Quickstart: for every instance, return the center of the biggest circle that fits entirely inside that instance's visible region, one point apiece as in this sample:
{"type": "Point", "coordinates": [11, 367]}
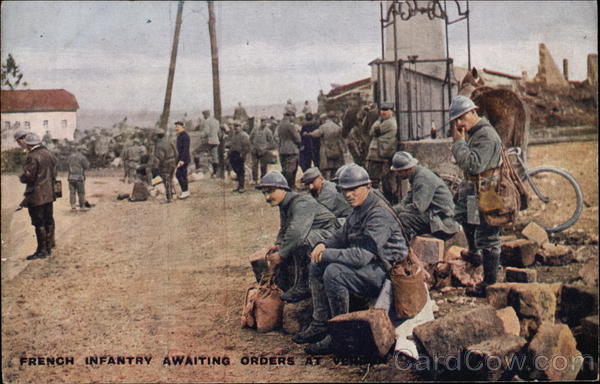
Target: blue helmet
{"type": "Point", "coordinates": [340, 170]}
{"type": "Point", "coordinates": [353, 177]}
{"type": "Point", "coordinates": [273, 179]}
{"type": "Point", "coordinates": [32, 139]}
{"type": "Point", "coordinates": [20, 134]}
{"type": "Point", "coordinates": [459, 106]}
{"type": "Point", "coordinates": [403, 160]}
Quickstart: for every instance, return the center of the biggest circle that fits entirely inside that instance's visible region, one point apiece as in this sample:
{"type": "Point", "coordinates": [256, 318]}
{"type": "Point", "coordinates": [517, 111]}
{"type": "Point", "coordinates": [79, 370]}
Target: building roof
{"type": "Point", "coordinates": [347, 87]}
{"type": "Point", "coordinates": [38, 100]}
{"type": "Point", "coordinates": [496, 73]}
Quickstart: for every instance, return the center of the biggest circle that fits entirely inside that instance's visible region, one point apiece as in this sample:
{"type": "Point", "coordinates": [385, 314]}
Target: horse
{"type": "Point", "coordinates": [502, 107]}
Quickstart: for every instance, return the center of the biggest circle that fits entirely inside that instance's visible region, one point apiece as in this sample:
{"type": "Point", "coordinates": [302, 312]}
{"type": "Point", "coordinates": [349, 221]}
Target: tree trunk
{"type": "Point", "coordinates": [216, 86]}
{"type": "Point", "coordinates": [164, 118]}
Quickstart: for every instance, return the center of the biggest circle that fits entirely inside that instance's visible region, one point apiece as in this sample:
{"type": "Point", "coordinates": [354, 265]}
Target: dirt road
{"type": "Point", "coordinates": [153, 280]}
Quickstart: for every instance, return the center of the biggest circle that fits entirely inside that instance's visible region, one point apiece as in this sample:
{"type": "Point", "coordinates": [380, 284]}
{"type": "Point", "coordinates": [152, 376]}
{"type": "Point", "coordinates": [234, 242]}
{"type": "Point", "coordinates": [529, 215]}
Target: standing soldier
{"type": "Point", "coordinates": [289, 109]}
{"type": "Point", "coordinates": [77, 163]}
{"type": "Point", "coordinates": [183, 159]}
{"type": "Point", "coordinates": [332, 146]}
{"type": "Point", "coordinates": [381, 149]}
{"type": "Point", "coordinates": [289, 140]}
{"type": "Point", "coordinates": [477, 149]}
{"type": "Point", "coordinates": [133, 156]}
{"type": "Point", "coordinates": [261, 142]}
{"type": "Point", "coordinates": [239, 148]}
{"type": "Point", "coordinates": [306, 109]}
{"type": "Point", "coordinates": [212, 133]}
{"type": "Point", "coordinates": [240, 113]}
{"type": "Point", "coordinates": [164, 159]}
{"type": "Point", "coordinates": [309, 150]}
{"type": "Point", "coordinates": [39, 174]}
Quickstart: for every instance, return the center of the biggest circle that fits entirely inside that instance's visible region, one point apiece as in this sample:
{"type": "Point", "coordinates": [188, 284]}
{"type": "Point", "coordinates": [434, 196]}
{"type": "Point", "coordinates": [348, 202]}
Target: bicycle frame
{"type": "Point", "coordinates": [517, 152]}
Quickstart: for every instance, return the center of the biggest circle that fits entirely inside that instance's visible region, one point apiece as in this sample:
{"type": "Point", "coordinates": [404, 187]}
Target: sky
{"type": "Point", "coordinates": [115, 55]}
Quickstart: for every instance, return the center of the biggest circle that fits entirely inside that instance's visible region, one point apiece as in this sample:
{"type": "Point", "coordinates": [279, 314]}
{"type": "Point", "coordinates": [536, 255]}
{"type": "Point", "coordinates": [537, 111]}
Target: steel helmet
{"type": "Point", "coordinates": [32, 139]}
{"type": "Point", "coordinates": [20, 134]}
{"type": "Point", "coordinates": [340, 170]}
{"type": "Point", "coordinates": [310, 175]}
{"type": "Point", "coordinates": [273, 179]}
{"type": "Point", "coordinates": [403, 160]}
{"type": "Point", "coordinates": [459, 106]}
{"type": "Point", "coordinates": [353, 177]}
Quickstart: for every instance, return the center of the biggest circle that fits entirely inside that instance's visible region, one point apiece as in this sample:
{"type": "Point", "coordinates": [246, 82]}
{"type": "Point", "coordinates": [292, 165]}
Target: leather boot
{"type": "Point", "coordinates": [300, 289]}
{"type": "Point", "coordinates": [40, 252]}
{"type": "Point", "coordinates": [339, 303]}
{"type": "Point", "coordinates": [49, 240]}
{"type": "Point", "coordinates": [491, 262]}
{"type": "Point", "coordinates": [52, 242]}
{"type": "Point", "coordinates": [317, 329]}
{"type": "Point", "coordinates": [474, 258]}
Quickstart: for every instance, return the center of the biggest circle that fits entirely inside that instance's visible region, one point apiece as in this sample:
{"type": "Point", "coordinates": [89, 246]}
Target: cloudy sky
{"type": "Point", "coordinates": [115, 55]}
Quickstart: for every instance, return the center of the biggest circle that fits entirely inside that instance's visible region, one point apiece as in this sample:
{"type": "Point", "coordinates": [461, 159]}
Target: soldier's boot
{"type": "Point", "coordinates": [475, 258]}
{"type": "Point", "coordinates": [40, 252]}
{"type": "Point", "coordinates": [215, 167]}
{"type": "Point", "coordinates": [241, 183]}
{"type": "Point", "coordinates": [317, 329]}
{"type": "Point", "coordinates": [491, 262]}
{"type": "Point", "coordinates": [52, 242]}
{"type": "Point", "coordinates": [339, 303]}
{"type": "Point", "coordinates": [300, 290]}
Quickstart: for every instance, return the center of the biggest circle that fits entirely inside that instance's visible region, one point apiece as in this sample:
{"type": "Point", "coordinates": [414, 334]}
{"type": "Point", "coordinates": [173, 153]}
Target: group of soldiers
{"type": "Point", "coordinates": [341, 238]}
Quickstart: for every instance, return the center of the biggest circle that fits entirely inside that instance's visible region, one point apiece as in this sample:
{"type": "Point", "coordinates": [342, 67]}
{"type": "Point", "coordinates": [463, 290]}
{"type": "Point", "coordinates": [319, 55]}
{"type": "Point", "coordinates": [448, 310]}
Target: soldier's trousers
{"type": "Point", "coordinates": [256, 161]}
{"type": "Point", "coordinates": [166, 174]}
{"type": "Point", "coordinates": [238, 166]}
{"type": "Point", "coordinates": [182, 177]}
{"type": "Point", "coordinates": [42, 215]}
{"type": "Point", "coordinates": [289, 167]}
{"type": "Point", "coordinates": [479, 236]}
{"type": "Point", "coordinates": [379, 172]}
{"type": "Point", "coordinates": [77, 188]}
{"type": "Point", "coordinates": [331, 281]}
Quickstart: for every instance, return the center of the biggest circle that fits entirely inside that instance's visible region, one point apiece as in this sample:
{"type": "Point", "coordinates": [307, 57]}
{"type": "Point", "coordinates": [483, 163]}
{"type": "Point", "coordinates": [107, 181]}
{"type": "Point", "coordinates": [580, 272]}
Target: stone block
{"type": "Point", "coordinates": [497, 294]}
{"type": "Point", "coordinates": [510, 320]}
{"type": "Point", "coordinates": [586, 335]}
{"type": "Point", "coordinates": [429, 249]}
{"type": "Point", "coordinates": [589, 272]}
{"type": "Point", "coordinates": [551, 254]}
{"type": "Point", "coordinates": [534, 300]}
{"type": "Point", "coordinates": [519, 253]}
{"type": "Point", "coordinates": [535, 233]}
{"type": "Point", "coordinates": [296, 316]}
{"type": "Point", "coordinates": [453, 253]}
{"type": "Point", "coordinates": [553, 354]}
{"type": "Point", "coordinates": [458, 240]}
{"type": "Point", "coordinates": [448, 336]}
{"type": "Point", "coordinates": [492, 359]}
{"type": "Point", "coordinates": [520, 275]}
{"type": "Point", "coordinates": [465, 274]}
{"type": "Point", "coordinates": [576, 303]}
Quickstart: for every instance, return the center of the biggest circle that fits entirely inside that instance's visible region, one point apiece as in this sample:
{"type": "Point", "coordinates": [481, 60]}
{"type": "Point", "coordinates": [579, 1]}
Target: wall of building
{"type": "Point", "coordinates": [35, 121]}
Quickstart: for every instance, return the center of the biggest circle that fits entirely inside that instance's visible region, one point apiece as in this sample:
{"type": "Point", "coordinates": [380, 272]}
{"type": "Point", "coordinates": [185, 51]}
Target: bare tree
{"type": "Point", "coordinates": [11, 75]}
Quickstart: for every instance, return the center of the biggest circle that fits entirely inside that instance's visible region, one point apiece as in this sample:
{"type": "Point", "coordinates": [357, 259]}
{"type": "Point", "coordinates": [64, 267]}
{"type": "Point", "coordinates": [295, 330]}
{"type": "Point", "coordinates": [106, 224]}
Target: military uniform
{"type": "Point", "coordinates": [183, 155]}
{"type": "Point", "coordinates": [310, 146]}
{"type": "Point", "coordinates": [261, 141]}
{"type": "Point", "coordinates": [331, 199]}
{"type": "Point", "coordinates": [77, 163]}
{"type": "Point", "coordinates": [428, 206]}
{"type": "Point", "coordinates": [212, 132]}
{"type": "Point", "coordinates": [132, 157]}
{"type": "Point", "coordinates": [381, 149]}
{"type": "Point", "coordinates": [332, 147]}
{"type": "Point", "coordinates": [289, 140]}
{"type": "Point", "coordinates": [165, 160]}
{"type": "Point", "coordinates": [239, 148]}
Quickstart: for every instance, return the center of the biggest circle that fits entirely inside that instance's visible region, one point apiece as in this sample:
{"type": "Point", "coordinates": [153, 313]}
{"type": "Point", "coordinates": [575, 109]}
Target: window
{"type": "Point", "coordinates": [63, 124]}
{"type": "Point", "coordinates": [45, 125]}
{"type": "Point", "coordinates": [7, 124]}
{"type": "Point", "coordinates": [27, 126]}
{"type": "Point", "coordinates": [17, 125]}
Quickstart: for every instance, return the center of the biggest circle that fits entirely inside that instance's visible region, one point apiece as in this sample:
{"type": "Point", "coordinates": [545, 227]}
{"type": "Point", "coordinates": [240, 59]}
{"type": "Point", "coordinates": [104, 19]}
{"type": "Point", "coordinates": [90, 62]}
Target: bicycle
{"type": "Point", "coordinates": [555, 197]}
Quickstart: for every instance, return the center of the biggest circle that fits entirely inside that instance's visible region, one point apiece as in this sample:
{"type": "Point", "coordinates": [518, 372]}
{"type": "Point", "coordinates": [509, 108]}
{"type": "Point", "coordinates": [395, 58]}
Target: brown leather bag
{"type": "Point", "coordinates": [263, 307]}
{"type": "Point", "coordinates": [408, 284]}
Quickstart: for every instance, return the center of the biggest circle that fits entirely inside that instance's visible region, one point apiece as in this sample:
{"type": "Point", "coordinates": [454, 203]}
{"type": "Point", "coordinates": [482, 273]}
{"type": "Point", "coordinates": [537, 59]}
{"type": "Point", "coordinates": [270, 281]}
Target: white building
{"type": "Point", "coordinates": [38, 111]}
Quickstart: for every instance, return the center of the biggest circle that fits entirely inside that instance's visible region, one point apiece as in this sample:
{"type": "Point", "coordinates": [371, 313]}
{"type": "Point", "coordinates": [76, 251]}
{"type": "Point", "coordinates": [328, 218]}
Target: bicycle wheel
{"type": "Point", "coordinates": [555, 198]}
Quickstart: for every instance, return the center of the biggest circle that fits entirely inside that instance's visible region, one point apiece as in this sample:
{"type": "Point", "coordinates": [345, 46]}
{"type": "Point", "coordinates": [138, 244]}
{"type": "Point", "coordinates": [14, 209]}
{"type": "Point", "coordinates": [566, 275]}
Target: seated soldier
{"type": "Point", "coordinates": [354, 260]}
{"type": "Point", "coordinates": [428, 207]}
{"type": "Point", "coordinates": [325, 192]}
{"type": "Point", "coordinates": [303, 224]}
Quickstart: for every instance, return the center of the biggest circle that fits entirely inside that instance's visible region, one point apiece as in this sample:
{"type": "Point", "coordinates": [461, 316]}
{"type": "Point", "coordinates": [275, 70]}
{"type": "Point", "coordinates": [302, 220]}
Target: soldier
{"type": "Point", "coordinates": [77, 163]}
{"type": "Point", "coordinates": [325, 192]}
{"type": "Point", "coordinates": [183, 159]}
{"type": "Point", "coordinates": [332, 146]}
{"type": "Point", "coordinates": [47, 139]}
{"type": "Point", "coordinates": [309, 149]}
{"type": "Point", "coordinates": [303, 224]}
{"type": "Point", "coordinates": [212, 134]}
{"type": "Point", "coordinates": [478, 155]}
{"type": "Point", "coordinates": [261, 142]}
{"type": "Point", "coordinates": [428, 207]}
{"type": "Point", "coordinates": [306, 109]}
{"type": "Point", "coordinates": [134, 158]}
{"type": "Point", "coordinates": [353, 259]}
{"type": "Point", "coordinates": [39, 174]}
{"type": "Point", "coordinates": [381, 149]}
{"type": "Point", "coordinates": [239, 148]}
{"type": "Point", "coordinates": [289, 140]}
{"type": "Point", "coordinates": [20, 138]}
{"type": "Point", "coordinates": [240, 113]}
{"type": "Point", "coordinates": [321, 101]}
{"type": "Point", "coordinates": [164, 159]}
{"type": "Point", "coordinates": [289, 109]}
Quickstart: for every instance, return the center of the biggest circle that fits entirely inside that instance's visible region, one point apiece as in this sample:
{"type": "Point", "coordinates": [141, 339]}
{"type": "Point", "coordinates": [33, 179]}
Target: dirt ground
{"type": "Point", "coordinates": [161, 280]}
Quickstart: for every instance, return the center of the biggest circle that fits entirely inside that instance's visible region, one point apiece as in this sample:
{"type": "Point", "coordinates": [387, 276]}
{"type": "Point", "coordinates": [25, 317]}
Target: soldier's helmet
{"type": "Point", "coordinates": [403, 160]}
{"type": "Point", "coordinates": [20, 134]}
{"type": "Point", "coordinates": [341, 169]}
{"type": "Point", "coordinates": [32, 139]}
{"type": "Point", "coordinates": [459, 106]}
{"type": "Point", "coordinates": [310, 175]}
{"type": "Point", "coordinates": [353, 177]}
{"type": "Point", "coordinates": [273, 179]}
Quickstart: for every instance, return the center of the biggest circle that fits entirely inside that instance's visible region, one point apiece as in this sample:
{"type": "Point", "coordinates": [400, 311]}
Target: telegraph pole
{"type": "Point", "coordinates": [164, 118]}
{"type": "Point", "coordinates": [215, 76]}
